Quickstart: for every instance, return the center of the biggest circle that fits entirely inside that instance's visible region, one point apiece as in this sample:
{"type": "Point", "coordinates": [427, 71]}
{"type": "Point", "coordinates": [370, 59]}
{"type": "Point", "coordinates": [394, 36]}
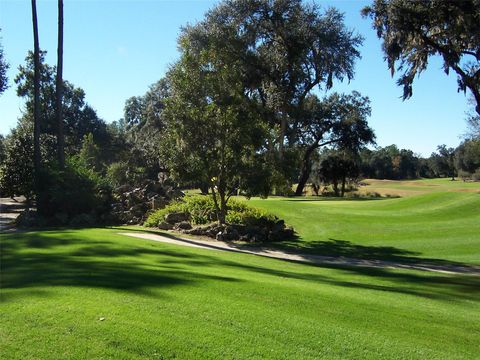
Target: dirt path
{"type": "Point", "coordinates": [306, 258]}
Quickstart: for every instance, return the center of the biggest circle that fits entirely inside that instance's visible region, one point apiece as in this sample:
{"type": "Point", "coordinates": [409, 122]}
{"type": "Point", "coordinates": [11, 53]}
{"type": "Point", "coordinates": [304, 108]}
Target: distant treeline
{"type": "Point", "coordinates": [393, 163]}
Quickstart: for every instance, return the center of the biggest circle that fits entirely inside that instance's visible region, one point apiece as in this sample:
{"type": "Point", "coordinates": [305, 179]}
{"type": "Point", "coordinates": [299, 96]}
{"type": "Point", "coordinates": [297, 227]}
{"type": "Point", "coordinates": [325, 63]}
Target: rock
{"type": "Point", "coordinates": [219, 236]}
{"type": "Point", "coordinates": [177, 217]}
{"type": "Point", "coordinates": [165, 226]}
{"type": "Point", "coordinates": [184, 225]}
{"type": "Point", "coordinates": [123, 189]}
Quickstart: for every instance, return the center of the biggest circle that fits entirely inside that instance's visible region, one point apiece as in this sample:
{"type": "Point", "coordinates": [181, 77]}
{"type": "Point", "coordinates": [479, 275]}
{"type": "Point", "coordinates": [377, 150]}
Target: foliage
{"type": "Point", "coordinates": [3, 71]}
{"type": "Point", "coordinates": [338, 168]}
{"type": "Point", "coordinates": [201, 210]}
{"type": "Point", "coordinates": [79, 118]}
{"type": "Point", "coordinates": [338, 120]}
{"type": "Point", "coordinates": [76, 191]}
{"type": "Point", "coordinates": [144, 127]}
{"type": "Point", "coordinates": [89, 154]}
{"type": "Point", "coordinates": [16, 169]}
{"type": "Point", "coordinates": [413, 31]}
{"type": "Point", "coordinates": [467, 158]}
{"type": "Point", "coordinates": [442, 162]}
{"type": "Point", "coordinates": [122, 173]}
{"type": "Point", "coordinates": [390, 162]}
{"type": "Point", "coordinates": [214, 134]}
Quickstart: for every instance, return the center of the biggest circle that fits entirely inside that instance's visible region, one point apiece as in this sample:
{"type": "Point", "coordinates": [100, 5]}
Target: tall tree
{"type": "Point", "coordinates": [3, 71]}
{"type": "Point", "coordinates": [284, 49]}
{"type": "Point", "coordinates": [413, 31]}
{"type": "Point", "coordinates": [36, 103]}
{"type": "Point", "coordinates": [59, 89]}
{"type": "Point", "coordinates": [79, 118]}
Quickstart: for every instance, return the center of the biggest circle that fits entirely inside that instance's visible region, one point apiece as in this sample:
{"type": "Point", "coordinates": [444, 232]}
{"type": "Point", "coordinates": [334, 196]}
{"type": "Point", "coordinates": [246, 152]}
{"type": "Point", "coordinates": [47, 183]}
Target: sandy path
{"type": "Point", "coordinates": [306, 258]}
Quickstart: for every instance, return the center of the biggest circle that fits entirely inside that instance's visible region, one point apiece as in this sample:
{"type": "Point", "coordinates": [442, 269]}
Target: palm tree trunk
{"type": "Point", "coordinates": [36, 103]}
{"type": "Point", "coordinates": [59, 89]}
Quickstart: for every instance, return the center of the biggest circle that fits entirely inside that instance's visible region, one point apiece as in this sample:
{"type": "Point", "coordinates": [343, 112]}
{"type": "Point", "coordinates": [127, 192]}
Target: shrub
{"type": "Point", "coordinates": [74, 191]}
{"type": "Point", "coordinates": [202, 211]}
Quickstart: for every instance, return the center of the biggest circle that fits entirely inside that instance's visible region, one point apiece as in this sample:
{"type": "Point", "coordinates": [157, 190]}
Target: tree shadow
{"type": "Point", "coordinates": [150, 268]}
{"type": "Point", "coordinates": [72, 261]}
{"type": "Point", "coordinates": [374, 256]}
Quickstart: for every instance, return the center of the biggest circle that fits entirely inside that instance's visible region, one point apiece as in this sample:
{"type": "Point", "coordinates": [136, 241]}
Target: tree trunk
{"type": "Point", "coordinates": [223, 208]}
{"type": "Point", "coordinates": [306, 170]}
{"type": "Point", "coordinates": [343, 185]}
{"type": "Point", "coordinates": [59, 89]}
{"type": "Point", "coordinates": [36, 105]}
{"type": "Point", "coordinates": [335, 188]}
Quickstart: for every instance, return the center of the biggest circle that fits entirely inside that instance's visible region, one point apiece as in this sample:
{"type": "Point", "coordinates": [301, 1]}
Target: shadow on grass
{"type": "Point", "coordinates": [73, 260]}
{"type": "Point", "coordinates": [36, 261]}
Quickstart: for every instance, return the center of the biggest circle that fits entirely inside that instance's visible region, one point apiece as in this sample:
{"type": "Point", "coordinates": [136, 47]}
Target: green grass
{"type": "Point", "coordinates": [435, 225]}
{"type": "Point", "coordinates": [161, 301]}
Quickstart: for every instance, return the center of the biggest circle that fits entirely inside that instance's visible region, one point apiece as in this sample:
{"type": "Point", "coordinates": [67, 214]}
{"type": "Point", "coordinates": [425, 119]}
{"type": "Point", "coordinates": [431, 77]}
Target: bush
{"type": "Point", "coordinates": [201, 209]}
{"type": "Point", "coordinates": [74, 191]}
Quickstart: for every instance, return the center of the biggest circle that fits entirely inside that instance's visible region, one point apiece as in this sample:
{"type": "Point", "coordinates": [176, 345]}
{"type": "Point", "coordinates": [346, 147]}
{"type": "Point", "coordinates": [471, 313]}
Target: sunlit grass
{"type": "Point", "coordinates": [93, 294]}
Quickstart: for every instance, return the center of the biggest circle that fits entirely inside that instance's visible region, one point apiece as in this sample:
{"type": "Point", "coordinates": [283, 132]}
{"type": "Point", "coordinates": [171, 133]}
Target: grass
{"type": "Point", "coordinates": [160, 301]}
{"type": "Point", "coordinates": [94, 294]}
{"type": "Point", "coordinates": [442, 224]}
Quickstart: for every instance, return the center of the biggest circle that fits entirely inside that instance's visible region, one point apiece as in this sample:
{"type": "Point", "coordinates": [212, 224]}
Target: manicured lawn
{"type": "Point", "coordinates": [160, 301]}
{"type": "Point", "coordinates": [435, 225]}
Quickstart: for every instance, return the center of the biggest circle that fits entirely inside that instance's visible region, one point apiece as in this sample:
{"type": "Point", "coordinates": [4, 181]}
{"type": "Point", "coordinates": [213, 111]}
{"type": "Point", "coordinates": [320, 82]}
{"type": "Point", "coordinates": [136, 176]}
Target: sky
{"type": "Point", "coordinates": [115, 49]}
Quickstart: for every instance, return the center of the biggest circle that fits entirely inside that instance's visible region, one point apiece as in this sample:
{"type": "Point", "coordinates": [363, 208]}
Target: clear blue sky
{"type": "Point", "coordinates": [116, 49]}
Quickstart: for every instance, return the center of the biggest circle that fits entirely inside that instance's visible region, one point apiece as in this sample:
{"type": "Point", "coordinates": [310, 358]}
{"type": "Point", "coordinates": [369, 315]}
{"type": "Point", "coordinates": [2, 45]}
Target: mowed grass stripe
{"type": "Point", "coordinates": [163, 301]}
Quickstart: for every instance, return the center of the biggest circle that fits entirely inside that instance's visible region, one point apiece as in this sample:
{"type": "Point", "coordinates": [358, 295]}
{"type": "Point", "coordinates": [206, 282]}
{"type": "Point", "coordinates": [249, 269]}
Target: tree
{"type": "Point", "coordinates": [17, 172]}
{"type": "Point", "coordinates": [283, 51]}
{"type": "Point", "coordinates": [36, 104]}
{"type": "Point", "coordinates": [3, 71]}
{"type": "Point", "coordinates": [443, 161]}
{"type": "Point", "coordinates": [467, 158]}
{"type": "Point", "coordinates": [413, 31]}
{"type": "Point", "coordinates": [78, 117]}
{"type": "Point", "coordinates": [59, 89]}
{"type": "Point", "coordinates": [336, 168]}
{"type": "Point", "coordinates": [213, 132]}
{"type": "Point", "coordinates": [337, 120]}
{"type": "Point", "coordinates": [145, 126]}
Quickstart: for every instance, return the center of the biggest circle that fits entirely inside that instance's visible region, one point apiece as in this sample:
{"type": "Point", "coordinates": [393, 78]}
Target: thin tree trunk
{"type": "Point", "coordinates": [223, 208]}
{"type": "Point", "coordinates": [306, 170]}
{"type": "Point", "coordinates": [36, 104]}
{"type": "Point", "coordinates": [59, 89]}
{"type": "Point", "coordinates": [343, 185]}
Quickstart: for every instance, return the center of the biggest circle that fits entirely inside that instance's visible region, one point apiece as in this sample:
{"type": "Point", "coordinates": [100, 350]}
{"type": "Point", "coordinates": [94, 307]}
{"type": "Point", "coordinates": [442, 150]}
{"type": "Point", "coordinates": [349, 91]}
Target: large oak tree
{"type": "Point", "coordinates": [413, 31]}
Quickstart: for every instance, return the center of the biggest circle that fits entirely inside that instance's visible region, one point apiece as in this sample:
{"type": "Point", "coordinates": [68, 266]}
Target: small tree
{"type": "Point", "coordinates": [213, 133]}
{"type": "Point", "coordinates": [338, 168]}
{"type": "Point", "coordinates": [443, 161]}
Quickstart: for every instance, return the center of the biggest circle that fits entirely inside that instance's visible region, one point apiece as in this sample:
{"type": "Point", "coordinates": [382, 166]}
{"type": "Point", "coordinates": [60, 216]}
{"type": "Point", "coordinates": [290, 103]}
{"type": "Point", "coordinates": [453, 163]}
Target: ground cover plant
{"type": "Point", "coordinates": [438, 219]}
{"type": "Point", "coordinates": [91, 293]}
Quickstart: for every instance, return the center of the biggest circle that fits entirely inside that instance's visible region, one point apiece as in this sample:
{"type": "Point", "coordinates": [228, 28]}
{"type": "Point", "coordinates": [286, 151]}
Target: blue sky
{"type": "Point", "coordinates": [115, 49]}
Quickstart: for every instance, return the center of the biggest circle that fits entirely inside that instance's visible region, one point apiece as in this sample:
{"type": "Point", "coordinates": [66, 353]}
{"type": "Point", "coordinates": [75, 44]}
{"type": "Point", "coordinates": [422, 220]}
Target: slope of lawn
{"type": "Point", "coordinates": [93, 294]}
{"type": "Point", "coordinates": [443, 225]}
